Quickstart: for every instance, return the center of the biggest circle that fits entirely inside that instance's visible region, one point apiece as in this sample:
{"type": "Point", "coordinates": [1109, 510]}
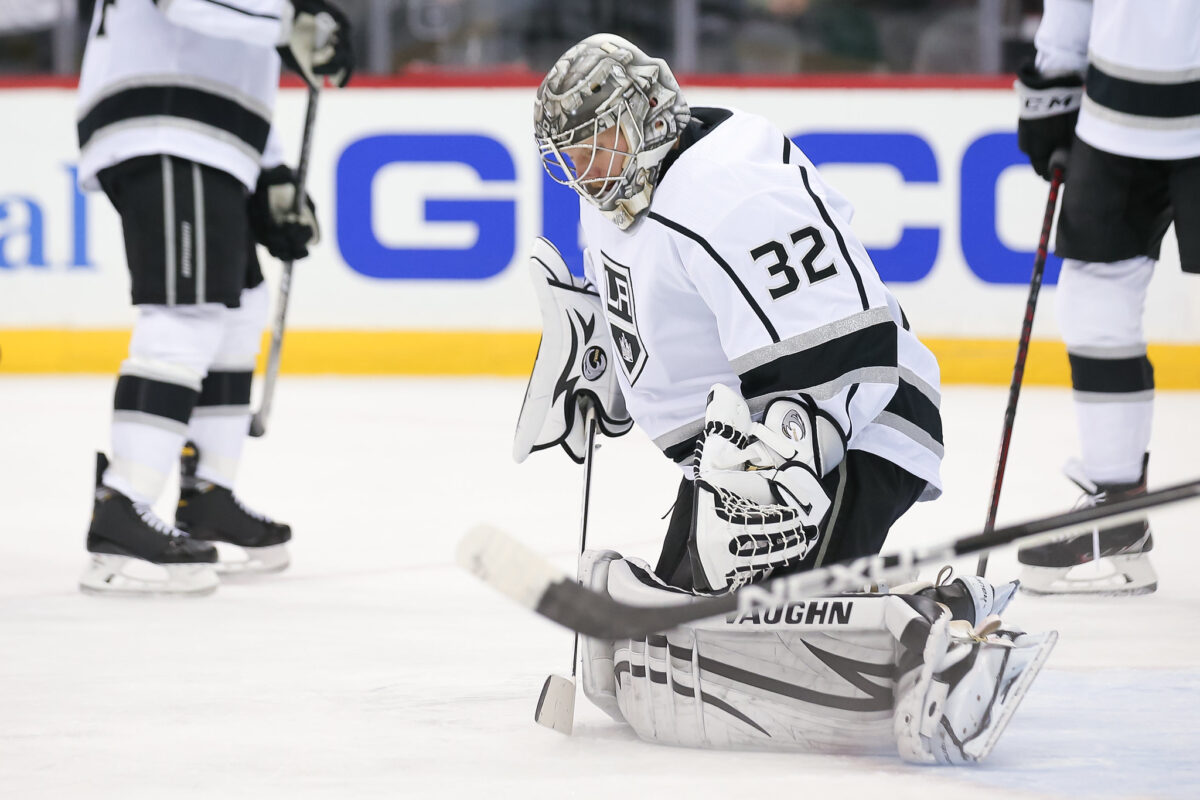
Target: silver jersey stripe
{"type": "Point", "coordinates": [1142, 75]}
{"type": "Point", "coordinates": [152, 420]}
{"type": "Point", "coordinates": [1145, 395]}
{"type": "Point", "coordinates": [1098, 111]}
{"type": "Point", "coordinates": [803, 341]}
{"type": "Point", "coordinates": [169, 226]}
{"type": "Point", "coordinates": [1109, 353]}
{"type": "Point", "coordinates": [920, 437]}
{"type": "Point", "coordinates": [159, 122]}
{"type": "Point", "coordinates": [918, 383]}
{"type": "Point", "coordinates": [246, 101]}
{"type": "Point", "coordinates": [681, 434]}
{"type": "Point", "coordinates": [199, 243]}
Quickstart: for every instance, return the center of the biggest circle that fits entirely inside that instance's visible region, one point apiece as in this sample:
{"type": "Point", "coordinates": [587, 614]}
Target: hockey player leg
{"type": "Point", "coordinates": [248, 542]}
{"type": "Point", "coordinates": [953, 708]}
{"type": "Point", "coordinates": [1100, 314]}
{"type": "Point", "coordinates": [132, 550]}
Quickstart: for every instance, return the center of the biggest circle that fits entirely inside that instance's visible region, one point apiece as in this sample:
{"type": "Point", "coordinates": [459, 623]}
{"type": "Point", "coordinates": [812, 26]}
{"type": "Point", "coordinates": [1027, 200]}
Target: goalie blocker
{"type": "Point", "coordinates": [573, 364]}
{"type": "Point", "coordinates": [863, 674]}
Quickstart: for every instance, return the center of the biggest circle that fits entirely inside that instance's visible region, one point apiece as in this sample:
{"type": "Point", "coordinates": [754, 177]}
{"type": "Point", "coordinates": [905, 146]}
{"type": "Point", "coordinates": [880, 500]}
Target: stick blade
{"type": "Point", "coordinates": [556, 705]}
{"type": "Point", "coordinates": [256, 425]}
{"type": "Point", "coordinates": [506, 565]}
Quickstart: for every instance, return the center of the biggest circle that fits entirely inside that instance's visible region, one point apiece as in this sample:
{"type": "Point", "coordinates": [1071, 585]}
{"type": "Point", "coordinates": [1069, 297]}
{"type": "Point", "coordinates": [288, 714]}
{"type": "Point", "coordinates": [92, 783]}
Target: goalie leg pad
{"type": "Point", "coordinates": [777, 680]}
{"type": "Point", "coordinates": [598, 681]}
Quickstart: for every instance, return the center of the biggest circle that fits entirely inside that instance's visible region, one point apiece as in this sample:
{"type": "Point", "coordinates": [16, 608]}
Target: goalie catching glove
{"type": "Point", "coordinates": [573, 365]}
{"type": "Point", "coordinates": [759, 498]}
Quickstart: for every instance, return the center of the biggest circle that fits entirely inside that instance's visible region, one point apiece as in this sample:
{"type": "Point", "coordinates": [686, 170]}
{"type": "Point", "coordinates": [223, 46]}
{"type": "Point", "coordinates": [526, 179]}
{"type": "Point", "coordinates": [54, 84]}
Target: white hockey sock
{"type": "Point", "coordinates": [221, 421]}
{"type": "Point", "coordinates": [1113, 438]}
{"type": "Point", "coordinates": [220, 439]}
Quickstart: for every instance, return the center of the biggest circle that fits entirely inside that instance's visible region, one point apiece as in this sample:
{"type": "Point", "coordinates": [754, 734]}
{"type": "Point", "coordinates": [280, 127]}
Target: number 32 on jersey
{"type": "Point", "coordinates": [808, 245]}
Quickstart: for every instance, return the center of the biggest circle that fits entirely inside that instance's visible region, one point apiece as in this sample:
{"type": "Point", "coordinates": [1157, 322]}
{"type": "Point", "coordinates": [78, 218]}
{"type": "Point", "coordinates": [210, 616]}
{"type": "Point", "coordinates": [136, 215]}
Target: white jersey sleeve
{"type": "Point", "coordinates": [259, 22]}
{"type": "Point", "coordinates": [1062, 37]}
{"type": "Point", "coordinates": [273, 153]}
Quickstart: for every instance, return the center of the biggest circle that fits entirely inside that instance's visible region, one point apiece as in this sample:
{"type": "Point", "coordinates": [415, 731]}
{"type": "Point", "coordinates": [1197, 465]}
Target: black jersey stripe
{"type": "Point", "coordinates": [1111, 375]}
{"type": "Point", "coordinates": [837, 234]}
{"type": "Point", "coordinates": [184, 102]}
{"type": "Point", "coordinates": [863, 349]}
{"type": "Point", "coordinates": [788, 144]}
{"type": "Point", "coordinates": [238, 9]}
{"type": "Point", "coordinates": [715, 256]}
{"type": "Point", "coordinates": [1162, 100]}
{"type": "Point", "coordinates": [911, 404]}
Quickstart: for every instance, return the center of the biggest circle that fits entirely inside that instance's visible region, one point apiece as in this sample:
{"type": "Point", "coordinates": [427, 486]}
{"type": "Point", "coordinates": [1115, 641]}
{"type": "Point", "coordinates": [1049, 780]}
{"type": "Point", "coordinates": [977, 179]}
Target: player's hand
{"type": "Point", "coordinates": [273, 220]}
{"type": "Point", "coordinates": [1049, 109]}
{"type": "Point", "coordinates": [317, 46]}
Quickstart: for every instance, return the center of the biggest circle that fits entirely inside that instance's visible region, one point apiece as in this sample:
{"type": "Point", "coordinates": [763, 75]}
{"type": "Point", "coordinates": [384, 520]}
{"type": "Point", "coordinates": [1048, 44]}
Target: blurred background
{"type": "Point", "coordinates": [779, 37]}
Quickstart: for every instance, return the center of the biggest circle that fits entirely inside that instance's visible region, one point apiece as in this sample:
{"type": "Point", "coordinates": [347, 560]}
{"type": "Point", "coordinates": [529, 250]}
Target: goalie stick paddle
{"type": "Point", "coordinates": [514, 570]}
{"type": "Point", "coordinates": [258, 422]}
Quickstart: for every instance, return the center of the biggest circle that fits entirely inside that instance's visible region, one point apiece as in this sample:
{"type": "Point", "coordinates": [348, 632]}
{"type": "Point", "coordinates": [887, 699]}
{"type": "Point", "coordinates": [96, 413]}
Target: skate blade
{"type": "Point", "coordinates": [246, 563]}
{"type": "Point", "coordinates": [1011, 696]}
{"type": "Point", "coordinates": [1114, 576]}
{"type": "Point", "coordinates": [123, 576]}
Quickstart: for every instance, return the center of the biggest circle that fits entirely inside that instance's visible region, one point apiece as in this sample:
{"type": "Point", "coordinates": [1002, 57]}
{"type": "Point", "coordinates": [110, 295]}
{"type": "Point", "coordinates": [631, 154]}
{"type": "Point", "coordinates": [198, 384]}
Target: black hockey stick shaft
{"type": "Point", "coordinates": [589, 422]}
{"type": "Point", "coordinates": [524, 576]}
{"type": "Point", "coordinates": [1058, 171]}
{"type": "Point", "coordinates": [258, 422]}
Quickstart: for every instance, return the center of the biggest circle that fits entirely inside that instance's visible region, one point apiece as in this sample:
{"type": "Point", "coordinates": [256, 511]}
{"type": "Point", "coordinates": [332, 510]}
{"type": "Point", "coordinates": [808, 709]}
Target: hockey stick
{"type": "Point", "coordinates": [556, 704]}
{"type": "Point", "coordinates": [258, 423]}
{"type": "Point", "coordinates": [1058, 171]}
{"type": "Point", "coordinates": [512, 569]}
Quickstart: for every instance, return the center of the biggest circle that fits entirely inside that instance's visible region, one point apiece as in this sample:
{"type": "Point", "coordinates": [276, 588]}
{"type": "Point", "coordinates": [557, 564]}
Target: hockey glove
{"type": "Point", "coordinates": [759, 498]}
{"type": "Point", "coordinates": [317, 45]}
{"type": "Point", "coordinates": [573, 364]}
{"type": "Point", "coordinates": [274, 222]}
{"type": "Point", "coordinates": [1049, 109]}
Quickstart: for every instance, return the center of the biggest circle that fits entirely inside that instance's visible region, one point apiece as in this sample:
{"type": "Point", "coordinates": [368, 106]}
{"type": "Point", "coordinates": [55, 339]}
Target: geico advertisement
{"type": "Point", "coordinates": [428, 199]}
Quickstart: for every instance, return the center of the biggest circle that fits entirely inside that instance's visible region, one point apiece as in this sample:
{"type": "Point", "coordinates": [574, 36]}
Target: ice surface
{"type": "Point", "coordinates": [376, 668]}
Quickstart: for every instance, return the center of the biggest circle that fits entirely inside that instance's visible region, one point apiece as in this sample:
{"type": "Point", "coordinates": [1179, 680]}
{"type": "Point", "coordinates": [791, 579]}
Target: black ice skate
{"type": "Point", "coordinates": [136, 553]}
{"type": "Point", "coordinates": [248, 542]}
{"type": "Point", "coordinates": [1110, 561]}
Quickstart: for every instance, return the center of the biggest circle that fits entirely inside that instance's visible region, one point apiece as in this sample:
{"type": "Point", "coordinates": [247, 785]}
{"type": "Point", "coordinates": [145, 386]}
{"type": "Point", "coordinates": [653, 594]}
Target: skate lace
{"type": "Point", "coordinates": [147, 515]}
{"type": "Point", "coordinates": [1092, 495]}
{"type": "Point", "coordinates": [250, 512]}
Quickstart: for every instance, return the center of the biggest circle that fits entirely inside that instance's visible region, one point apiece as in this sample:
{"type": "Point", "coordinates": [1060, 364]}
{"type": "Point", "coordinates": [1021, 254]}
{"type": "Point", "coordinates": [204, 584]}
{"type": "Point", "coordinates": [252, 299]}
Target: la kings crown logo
{"type": "Point", "coordinates": [622, 319]}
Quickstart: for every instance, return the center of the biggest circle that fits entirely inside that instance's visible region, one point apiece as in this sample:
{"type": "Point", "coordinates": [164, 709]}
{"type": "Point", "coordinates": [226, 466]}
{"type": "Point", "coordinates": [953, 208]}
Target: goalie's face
{"type": "Point", "coordinates": [594, 158]}
{"type": "Point", "coordinates": [598, 162]}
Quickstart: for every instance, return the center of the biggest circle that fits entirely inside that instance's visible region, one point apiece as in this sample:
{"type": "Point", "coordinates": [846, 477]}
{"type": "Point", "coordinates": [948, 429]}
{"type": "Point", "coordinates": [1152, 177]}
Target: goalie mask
{"type": "Point", "coordinates": [605, 117]}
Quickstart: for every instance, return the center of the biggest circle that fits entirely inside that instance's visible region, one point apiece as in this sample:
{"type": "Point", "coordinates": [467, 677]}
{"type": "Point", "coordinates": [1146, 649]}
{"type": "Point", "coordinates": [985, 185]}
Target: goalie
{"type": "Point", "coordinates": [728, 308]}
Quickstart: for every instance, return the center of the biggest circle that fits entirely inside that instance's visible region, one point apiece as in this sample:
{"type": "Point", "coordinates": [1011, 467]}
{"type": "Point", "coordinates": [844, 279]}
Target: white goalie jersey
{"type": "Point", "coordinates": [745, 272]}
{"type": "Point", "coordinates": [190, 78]}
